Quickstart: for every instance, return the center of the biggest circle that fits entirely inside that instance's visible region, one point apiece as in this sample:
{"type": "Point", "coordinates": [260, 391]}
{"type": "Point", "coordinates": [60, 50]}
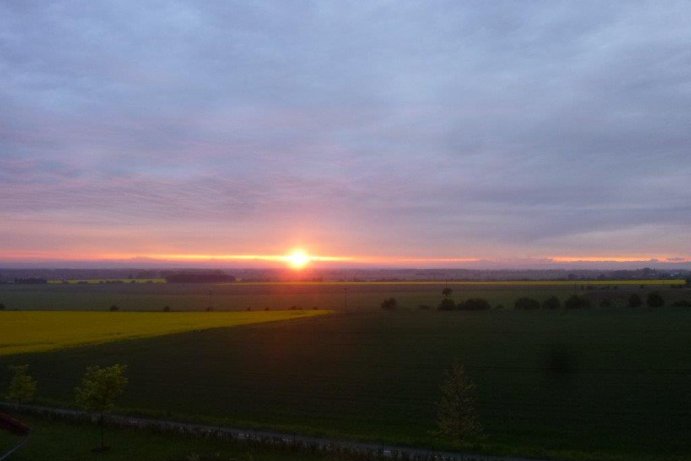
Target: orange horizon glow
{"type": "Point", "coordinates": [299, 258]}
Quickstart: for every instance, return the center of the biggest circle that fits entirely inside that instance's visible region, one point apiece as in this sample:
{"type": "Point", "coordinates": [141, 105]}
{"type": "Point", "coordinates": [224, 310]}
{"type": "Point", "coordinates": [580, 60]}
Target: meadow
{"type": "Point", "coordinates": [38, 331]}
{"type": "Point", "coordinates": [606, 384]}
{"type": "Point", "coordinates": [60, 441]}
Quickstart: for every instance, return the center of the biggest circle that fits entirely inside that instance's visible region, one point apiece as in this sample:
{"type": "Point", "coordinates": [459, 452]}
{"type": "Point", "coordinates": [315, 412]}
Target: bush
{"type": "Point", "coordinates": [635, 301]}
{"type": "Point", "coordinates": [577, 302]}
{"type": "Point", "coordinates": [551, 303]}
{"type": "Point", "coordinates": [682, 303]}
{"type": "Point", "coordinates": [389, 304]}
{"type": "Point", "coordinates": [474, 304]}
{"type": "Point", "coordinates": [114, 308]}
{"type": "Point", "coordinates": [606, 303]}
{"type": "Point", "coordinates": [166, 309]}
{"type": "Point", "coordinates": [526, 304]}
{"type": "Point", "coordinates": [446, 304]}
{"type": "Point", "coordinates": [2, 307]}
{"type": "Point", "coordinates": [655, 299]}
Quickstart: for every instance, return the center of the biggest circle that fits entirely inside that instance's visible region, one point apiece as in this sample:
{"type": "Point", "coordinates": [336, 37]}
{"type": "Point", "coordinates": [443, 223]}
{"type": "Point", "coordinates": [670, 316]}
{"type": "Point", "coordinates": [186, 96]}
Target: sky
{"type": "Point", "coordinates": [390, 133]}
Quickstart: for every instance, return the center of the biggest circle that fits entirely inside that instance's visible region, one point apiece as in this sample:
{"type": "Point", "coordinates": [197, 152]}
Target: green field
{"type": "Point", "coordinates": [38, 331]}
{"type": "Point", "coordinates": [58, 441]}
{"type": "Point", "coordinates": [353, 296]}
{"type": "Point", "coordinates": [623, 394]}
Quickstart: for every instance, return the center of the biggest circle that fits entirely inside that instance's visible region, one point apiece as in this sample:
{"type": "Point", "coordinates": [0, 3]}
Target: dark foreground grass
{"type": "Point", "coordinates": [59, 441]}
{"type": "Point", "coordinates": [595, 384]}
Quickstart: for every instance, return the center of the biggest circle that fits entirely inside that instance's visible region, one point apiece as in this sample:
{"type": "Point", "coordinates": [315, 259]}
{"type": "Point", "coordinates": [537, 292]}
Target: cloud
{"type": "Point", "coordinates": [407, 128]}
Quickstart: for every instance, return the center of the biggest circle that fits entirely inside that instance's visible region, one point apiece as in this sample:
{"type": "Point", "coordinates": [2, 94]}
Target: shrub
{"type": "Point", "coordinates": [635, 301]}
{"type": "Point", "coordinates": [682, 303]}
{"type": "Point", "coordinates": [114, 308]}
{"type": "Point", "coordinates": [446, 304]}
{"type": "Point", "coordinates": [577, 302]}
{"type": "Point", "coordinates": [551, 303]}
{"type": "Point", "coordinates": [474, 304]}
{"type": "Point", "coordinates": [655, 299]}
{"type": "Point", "coordinates": [2, 307]}
{"type": "Point", "coordinates": [526, 304]}
{"type": "Point", "coordinates": [389, 304]}
{"type": "Point", "coordinates": [166, 309]}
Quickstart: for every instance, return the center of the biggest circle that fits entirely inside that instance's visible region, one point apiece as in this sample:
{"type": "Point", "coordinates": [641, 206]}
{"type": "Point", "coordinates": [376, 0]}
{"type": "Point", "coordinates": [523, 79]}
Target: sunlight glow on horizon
{"type": "Point", "coordinates": [300, 259]}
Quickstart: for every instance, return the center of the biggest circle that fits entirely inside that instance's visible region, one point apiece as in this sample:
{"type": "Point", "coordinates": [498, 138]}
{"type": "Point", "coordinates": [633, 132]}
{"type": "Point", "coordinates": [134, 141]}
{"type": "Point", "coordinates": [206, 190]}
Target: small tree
{"type": "Point", "coordinates": [446, 304]}
{"type": "Point", "coordinates": [2, 307]}
{"type": "Point", "coordinates": [22, 388]}
{"type": "Point", "coordinates": [551, 303]}
{"type": "Point", "coordinates": [98, 391]}
{"type": "Point", "coordinates": [474, 304]}
{"type": "Point", "coordinates": [577, 302]}
{"type": "Point", "coordinates": [456, 416]}
{"type": "Point", "coordinates": [114, 308]}
{"type": "Point", "coordinates": [635, 301]}
{"type": "Point", "coordinates": [655, 299]}
{"type": "Point", "coordinates": [389, 304]}
{"type": "Point", "coordinates": [526, 304]}
{"type": "Point", "coordinates": [446, 292]}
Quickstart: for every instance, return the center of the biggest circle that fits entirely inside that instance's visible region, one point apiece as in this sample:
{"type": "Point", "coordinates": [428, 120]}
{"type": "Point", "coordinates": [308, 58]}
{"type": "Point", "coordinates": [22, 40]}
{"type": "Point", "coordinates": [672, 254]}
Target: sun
{"type": "Point", "coordinates": [298, 259]}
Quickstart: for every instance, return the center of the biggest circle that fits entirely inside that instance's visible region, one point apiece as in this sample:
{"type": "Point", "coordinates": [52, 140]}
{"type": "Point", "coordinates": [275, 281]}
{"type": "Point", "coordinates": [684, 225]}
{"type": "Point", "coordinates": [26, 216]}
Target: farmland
{"type": "Point", "coordinates": [307, 295]}
{"type": "Point", "coordinates": [619, 393]}
{"type": "Point", "coordinates": [23, 332]}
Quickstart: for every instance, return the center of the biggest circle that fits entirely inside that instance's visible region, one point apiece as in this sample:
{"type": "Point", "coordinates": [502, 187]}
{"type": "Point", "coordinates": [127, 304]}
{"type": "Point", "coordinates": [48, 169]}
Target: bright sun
{"type": "Point", "coordinates": [298, 259]}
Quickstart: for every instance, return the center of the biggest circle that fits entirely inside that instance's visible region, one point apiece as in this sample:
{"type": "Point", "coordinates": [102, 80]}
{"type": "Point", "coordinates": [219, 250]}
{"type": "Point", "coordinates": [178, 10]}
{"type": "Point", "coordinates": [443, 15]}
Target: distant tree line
{"type": "Point", "coordinates": [575, 301]}
{"type": "Point", "coordinates": [199, 277]}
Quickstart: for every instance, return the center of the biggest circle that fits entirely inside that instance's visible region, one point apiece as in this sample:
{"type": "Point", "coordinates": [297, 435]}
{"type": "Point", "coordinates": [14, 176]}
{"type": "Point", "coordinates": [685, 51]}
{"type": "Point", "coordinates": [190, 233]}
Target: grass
{"type": "Point", "coordinates": [606, 384]}
{"type": "Point", "coordinates": [38, 331]}
{"type": "Point", "coordinates": [60, 441]}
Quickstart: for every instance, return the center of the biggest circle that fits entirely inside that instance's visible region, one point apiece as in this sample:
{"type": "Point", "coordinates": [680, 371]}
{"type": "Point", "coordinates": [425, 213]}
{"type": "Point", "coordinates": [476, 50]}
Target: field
{"type": "Point", "coordinates": [619, 389]}
{"type": "Point", "coordinates": [22, 332]}
{"type": "Point", "coordinates": [352, 296]}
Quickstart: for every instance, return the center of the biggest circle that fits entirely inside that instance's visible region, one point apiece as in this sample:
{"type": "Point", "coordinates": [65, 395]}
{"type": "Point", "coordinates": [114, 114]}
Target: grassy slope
{"type": "Point", "coordinates": [22, 332]}
{"type": "Point", "coordinates": [377, 375]}
{"type": "Point", "coordinates": [57, 441]}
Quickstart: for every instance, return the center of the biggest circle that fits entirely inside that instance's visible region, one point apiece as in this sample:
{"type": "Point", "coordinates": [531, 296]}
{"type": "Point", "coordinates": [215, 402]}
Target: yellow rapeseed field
{"type": "Point", "coordinates": [38, 331]}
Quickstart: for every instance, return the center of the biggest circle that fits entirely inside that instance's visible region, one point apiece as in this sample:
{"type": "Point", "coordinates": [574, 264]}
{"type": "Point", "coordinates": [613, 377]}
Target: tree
{"type": "Point", "coordinates": [2, 307]}
{"type": "Point", "coordinates": [22, 388]}
{"type": "Point", "coordinates": [99, 388]}
{"type": "Point", "coordinates": [114, 308]}
{"type": "Point", "coordinates": [446, 304]}
{"type": "Point", "coordinates": [576, 302]}
{"type": "Point", "coordinates": [474, 304]}
{"type": "Point", "coordinates": [456, 416]}
{"type": "Point", "coordinates": [551, 303]}
{"type": "Point", "coordinates": [446, 292]}
{"type": "Point", "coordinates": [635, 301]}
{"type": "Point", "coordinates": [526, 304]}
{"type": "Point", "coordinates": [389, 304]}
{"type": "Point", "coordinates": [655, 299]}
